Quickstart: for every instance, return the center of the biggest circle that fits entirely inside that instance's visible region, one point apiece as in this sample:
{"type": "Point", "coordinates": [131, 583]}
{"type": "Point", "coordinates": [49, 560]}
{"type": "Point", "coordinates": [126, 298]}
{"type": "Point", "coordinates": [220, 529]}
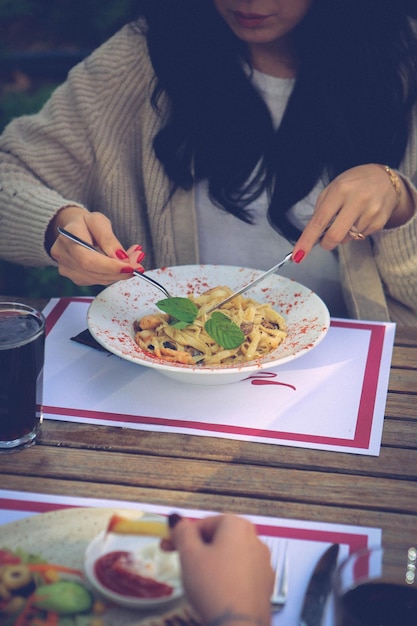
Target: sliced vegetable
{"type": "Point", "coordinates": [63, 597]}
{"type": "Point", "coordinates": [45, 568]}
{"type": "Point", "coordinates": [8, 558]}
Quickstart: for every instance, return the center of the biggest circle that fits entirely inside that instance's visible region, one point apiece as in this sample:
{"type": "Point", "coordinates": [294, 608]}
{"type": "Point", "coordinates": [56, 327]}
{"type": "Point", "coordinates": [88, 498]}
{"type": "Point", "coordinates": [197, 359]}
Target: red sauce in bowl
{"type": "Point", "coordinates": [115, 571]}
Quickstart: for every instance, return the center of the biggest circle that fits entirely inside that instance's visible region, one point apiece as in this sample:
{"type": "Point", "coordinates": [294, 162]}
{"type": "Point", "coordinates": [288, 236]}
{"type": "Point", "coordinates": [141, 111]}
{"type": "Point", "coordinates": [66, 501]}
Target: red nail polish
{"type": "Point", "coordinates": [126, 270]}
{"type": "Point", "coordinates": [138, 248]}
{"type": "Point", "coordinates": [173, 519]}
{"type": "Point", "coordinates": [299, 256]}
{"type": "Point", "coordinates": [121, 255]}
{"type": "Point", "coordinates": [140, 258]}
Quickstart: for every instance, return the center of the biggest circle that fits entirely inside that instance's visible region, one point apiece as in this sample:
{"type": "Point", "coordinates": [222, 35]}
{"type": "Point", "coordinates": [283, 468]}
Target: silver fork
{"type": "Point", "coordinates": [84, 244]}
{"type": "Point", "coordinates": [279, 562]}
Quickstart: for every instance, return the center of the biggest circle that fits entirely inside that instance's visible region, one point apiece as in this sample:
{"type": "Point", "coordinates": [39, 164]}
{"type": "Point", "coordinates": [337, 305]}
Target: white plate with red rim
{"type": "Point", "coordinates": [112, 313]}
{"type": "Point", "coordinates": [149, 561]}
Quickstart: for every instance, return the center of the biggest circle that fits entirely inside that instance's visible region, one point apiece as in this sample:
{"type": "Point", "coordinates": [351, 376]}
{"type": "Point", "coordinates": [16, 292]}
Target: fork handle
{"type": "Point", "coordinates": [84, 244]}
{"type": "Point", "coordinates": [76, 239]}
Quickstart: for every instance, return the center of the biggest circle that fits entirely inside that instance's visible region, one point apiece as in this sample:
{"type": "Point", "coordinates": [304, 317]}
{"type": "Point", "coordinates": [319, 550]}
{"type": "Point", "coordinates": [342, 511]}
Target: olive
{"type": "Point", "coordinates": [16, 576]}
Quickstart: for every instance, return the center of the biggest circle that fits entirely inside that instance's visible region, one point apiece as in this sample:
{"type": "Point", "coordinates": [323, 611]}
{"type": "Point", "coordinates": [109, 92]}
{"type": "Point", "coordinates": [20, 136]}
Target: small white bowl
{"type": "Point", "coordinates": [140, 546]}
{"type": "Point", "coordinates": [112, 313]}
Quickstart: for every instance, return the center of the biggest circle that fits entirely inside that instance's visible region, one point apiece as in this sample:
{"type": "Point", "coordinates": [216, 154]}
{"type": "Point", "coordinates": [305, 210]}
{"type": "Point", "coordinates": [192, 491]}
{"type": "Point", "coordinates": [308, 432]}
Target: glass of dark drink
{"type": "Point", "coordinates": [22, 338]}
{"type": "Point", "coordinates": [377, 587]}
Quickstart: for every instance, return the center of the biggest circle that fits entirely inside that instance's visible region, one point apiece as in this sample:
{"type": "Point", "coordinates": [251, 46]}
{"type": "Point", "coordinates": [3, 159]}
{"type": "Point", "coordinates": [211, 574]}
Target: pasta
{"type": "Point", "coordinates": [263, 329]}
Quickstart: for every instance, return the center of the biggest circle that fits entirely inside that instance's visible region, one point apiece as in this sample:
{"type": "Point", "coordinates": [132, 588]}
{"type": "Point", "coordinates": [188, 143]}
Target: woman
{"type": "Point", "coordinates": [219, 131]}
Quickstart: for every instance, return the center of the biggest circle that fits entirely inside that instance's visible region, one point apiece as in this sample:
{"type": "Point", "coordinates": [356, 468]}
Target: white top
{"type": "Point", "coordinates": [227, 240]}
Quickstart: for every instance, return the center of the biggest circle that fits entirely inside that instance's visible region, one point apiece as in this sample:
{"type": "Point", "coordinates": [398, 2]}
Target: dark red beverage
{"type": "Point", "coordinates": [378, 603]}
{"type": "Point", "coordinates": [22, 334]}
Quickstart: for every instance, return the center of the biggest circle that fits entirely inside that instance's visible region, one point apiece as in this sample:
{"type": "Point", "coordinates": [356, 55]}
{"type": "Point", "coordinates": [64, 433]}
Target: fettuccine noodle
{"type": "Point", "coordinates": [263, 327]}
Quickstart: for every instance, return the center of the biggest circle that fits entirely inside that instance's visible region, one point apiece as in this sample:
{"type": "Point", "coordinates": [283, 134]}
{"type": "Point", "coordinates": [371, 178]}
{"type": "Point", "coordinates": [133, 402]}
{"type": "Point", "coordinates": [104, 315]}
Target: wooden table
{"type": "Point", "coordinates": [255, 478]}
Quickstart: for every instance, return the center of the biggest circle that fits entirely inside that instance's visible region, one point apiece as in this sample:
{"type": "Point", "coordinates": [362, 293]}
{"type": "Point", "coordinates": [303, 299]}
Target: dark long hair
{"type": "Point", "coordinates": [355, 86]}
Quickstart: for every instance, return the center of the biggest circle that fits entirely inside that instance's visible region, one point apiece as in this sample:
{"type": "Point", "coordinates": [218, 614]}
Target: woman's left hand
{"type": "Point", "coordinates": [360, 200]}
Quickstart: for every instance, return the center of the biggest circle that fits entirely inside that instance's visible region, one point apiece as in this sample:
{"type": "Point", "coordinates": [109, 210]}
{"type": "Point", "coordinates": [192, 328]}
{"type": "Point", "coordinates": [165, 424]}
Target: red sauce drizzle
{"type": "Point", "coordinates": [113, 572]}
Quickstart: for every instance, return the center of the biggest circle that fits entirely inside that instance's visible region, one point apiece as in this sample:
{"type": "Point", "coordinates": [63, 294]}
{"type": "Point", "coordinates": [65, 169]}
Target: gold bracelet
{"type": "Point", "coordinates": [395, 181]}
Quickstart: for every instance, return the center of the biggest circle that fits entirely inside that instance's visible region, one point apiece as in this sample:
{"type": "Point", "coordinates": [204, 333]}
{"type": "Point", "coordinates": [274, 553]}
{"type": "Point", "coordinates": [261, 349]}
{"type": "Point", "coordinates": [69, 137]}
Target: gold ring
{"type": "Point", "coordinates": [355, 234]}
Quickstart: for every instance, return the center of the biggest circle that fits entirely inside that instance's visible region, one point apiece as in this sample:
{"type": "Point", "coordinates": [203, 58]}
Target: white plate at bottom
{"type": "Point", "coordinates": [159, 565]}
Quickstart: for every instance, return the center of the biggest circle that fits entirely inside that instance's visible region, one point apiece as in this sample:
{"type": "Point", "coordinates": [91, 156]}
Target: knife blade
{"type": "Point", "coordinates": [318, 588]}
{"type": "Point", "coordinates": [254, 282]}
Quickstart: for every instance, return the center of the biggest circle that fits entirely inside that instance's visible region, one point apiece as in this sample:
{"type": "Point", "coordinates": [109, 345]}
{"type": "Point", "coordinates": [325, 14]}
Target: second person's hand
{"type": "Point", "coordinates": [226, 569]}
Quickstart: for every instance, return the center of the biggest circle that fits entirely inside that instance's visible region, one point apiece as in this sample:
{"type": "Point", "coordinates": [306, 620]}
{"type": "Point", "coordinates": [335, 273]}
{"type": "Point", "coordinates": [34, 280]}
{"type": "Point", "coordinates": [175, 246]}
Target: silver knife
{"type": "Point", "coordinates": [319, 588]}
{"type": "Point", "coordinates": [272, 270]}
{"type": "Point", "coordinates": [254, 282]}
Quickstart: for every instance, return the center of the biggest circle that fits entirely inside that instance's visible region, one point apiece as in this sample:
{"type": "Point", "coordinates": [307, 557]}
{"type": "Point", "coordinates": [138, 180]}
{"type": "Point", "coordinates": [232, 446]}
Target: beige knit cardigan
{"type": "Point", "coordinates": [91, 145]}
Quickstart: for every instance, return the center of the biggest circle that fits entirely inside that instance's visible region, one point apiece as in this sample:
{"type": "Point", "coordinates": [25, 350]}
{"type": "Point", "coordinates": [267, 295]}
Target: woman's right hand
{"type": "Point", "coordinates": [226, 569]}
{"type": "Point", "coordinates": [83, 266]}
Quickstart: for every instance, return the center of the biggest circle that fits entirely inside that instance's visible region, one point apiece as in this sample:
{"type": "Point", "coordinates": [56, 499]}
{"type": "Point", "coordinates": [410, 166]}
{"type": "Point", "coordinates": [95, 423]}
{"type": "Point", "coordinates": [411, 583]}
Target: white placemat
{"type": "Point", "coordinates": [332, 398]}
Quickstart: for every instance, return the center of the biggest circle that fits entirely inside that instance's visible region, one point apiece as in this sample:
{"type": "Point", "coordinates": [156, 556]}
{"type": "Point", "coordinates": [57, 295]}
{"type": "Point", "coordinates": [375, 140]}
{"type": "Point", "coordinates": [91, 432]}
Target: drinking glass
{"type": "Point", "coordinates": [377, 587]}
{"type": "Point", "coordinates": [22, 337]}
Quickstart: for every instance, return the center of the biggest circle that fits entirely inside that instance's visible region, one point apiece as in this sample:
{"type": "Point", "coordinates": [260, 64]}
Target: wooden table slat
{"type": "Point", "coordinates": [214, 477]}
{"type": "Point", "coordinates": [404, 357]}
{"type": "Point", "coordinates": [403, 381]}
{"type": "Point", "coordinates": [389, 463]}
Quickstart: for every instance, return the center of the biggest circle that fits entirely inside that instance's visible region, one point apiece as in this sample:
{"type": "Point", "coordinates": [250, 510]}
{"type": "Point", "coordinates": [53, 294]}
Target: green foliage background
{"type": "Point", "coordinates": [40, 27]}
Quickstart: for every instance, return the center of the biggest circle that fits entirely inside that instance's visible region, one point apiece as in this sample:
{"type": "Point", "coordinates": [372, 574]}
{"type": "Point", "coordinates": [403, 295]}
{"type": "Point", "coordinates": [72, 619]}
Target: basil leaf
{"type": "Point", "coordinates": [223, 331]}
{"type": "Point", "coordinates": [179, 325]}
{"type": "Point", "coordinates": [182, 309]}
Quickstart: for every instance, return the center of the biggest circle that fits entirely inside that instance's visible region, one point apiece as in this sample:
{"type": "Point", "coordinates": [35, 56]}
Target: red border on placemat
{"type": "Point", "coordinates": [32, 506]}
{"type": "Point", "coordinates": [367, 401]}
{"type": "Point", "coordinates": [354, 540]}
